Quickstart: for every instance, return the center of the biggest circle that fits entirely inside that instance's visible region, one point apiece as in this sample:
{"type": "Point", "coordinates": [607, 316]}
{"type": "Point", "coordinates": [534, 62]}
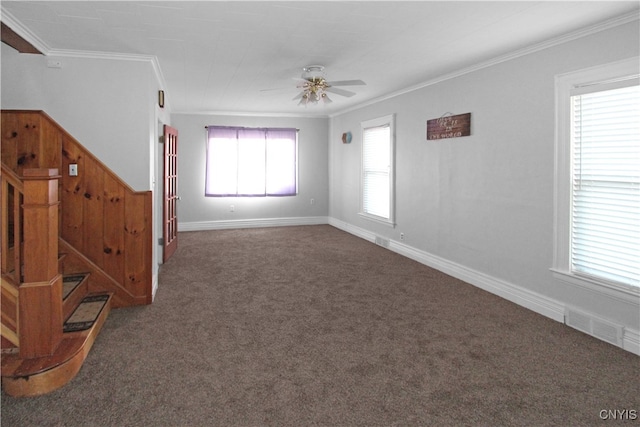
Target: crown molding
{"type": "Point", "coordinates": [252, 114]}
{"type": "Point", "coordinates": [583, 32]}
{"type": "Point", "coordinates": [29, 36]}
{"type": "Point", "coordinates": [17, 27]}
{"type": "Point", "coordinates": [113, 56]}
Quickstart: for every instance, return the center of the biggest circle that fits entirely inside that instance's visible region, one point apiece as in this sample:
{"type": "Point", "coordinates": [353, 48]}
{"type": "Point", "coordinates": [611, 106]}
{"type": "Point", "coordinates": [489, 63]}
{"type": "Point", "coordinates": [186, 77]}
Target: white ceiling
{"type": "Point", "coordinates": [219, 56]}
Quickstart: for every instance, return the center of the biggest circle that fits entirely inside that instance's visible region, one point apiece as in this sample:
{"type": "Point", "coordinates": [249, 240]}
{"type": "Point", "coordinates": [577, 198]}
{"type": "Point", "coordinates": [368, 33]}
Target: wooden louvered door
{"type": "Point", "coordinates": [170, 199]}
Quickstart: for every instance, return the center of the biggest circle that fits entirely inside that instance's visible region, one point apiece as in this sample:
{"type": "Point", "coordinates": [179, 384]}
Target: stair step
{"type": "Point", "coordinates": [70, 282]}
{"type": "Point", "coordinates": [37, 376]}
{"type": "Point", "coordinates": [74, 288]}
{"type": "Point", "coordinates": [86, 313]}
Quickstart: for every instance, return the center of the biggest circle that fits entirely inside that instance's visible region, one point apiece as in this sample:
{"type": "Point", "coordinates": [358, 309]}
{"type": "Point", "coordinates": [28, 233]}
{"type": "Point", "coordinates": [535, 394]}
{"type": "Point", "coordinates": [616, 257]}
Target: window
{"type": "Point", "coordinates": [597, 222]}
{"type": "Point", "coordinates": [251, 162]}
{"type": "Point", "coordinates": [378, 147]}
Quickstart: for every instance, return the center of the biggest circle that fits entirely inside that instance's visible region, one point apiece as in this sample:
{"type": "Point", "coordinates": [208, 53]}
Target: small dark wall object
{"type": "Point", "coordinates": [346, 138]}
{"type": "Point", "coordinates": [161, 98]}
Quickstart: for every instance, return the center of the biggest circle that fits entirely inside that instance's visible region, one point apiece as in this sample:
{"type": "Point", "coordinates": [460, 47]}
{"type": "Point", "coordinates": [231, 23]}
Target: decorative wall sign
{"type": "Point", "coordinates": [346, 138]}
{"type": "Point", "coordinates": [449, 126]}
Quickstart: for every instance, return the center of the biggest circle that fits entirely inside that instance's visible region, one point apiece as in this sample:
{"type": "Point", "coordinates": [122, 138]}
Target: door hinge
{"type": "Point", "coordinates": [161, 139]}
{"type": "Point", "coordinates": [161, 241]}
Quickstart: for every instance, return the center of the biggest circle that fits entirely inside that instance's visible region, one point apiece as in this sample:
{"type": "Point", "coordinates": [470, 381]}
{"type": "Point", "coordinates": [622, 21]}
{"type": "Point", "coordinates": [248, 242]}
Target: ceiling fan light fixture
{"type": "Point", "coordinates": [314, 86]}
{"type": "Point", "coordinates": [313, 95]}
{"type": "Point", "coordinates": [313, 72]}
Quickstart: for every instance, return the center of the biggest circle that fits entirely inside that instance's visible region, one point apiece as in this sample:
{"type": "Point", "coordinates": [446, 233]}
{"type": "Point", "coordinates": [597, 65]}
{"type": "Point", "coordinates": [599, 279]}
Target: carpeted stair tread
{"type": "Point", "coordinates": [86, 313]}
{"type": "Point", "coordinates": [71, 282]}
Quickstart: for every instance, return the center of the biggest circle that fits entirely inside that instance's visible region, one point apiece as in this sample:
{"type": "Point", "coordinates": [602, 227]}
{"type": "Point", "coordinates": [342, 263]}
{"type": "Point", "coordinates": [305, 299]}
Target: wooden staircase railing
{"type": "Point", "coordinates": [11, 239]}
{"type": "Point", "coordinates": [37, 355]}
{"type": "Point", "coordinates": [42, 345]}
{"type": "Point", "coordinates": [12, 193]}
{"type": "Point", "coordinates": [100, 216]}
{"type": "Point", "coordinates": [32, 285]}
{"type": "Point", "coordinates": [40, 295]}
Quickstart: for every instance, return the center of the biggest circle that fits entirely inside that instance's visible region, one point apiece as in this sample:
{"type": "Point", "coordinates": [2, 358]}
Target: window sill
{"type": "Point", "coordinates": [378, 219]}
{"type": "Point", "coordinates": [628, 294]}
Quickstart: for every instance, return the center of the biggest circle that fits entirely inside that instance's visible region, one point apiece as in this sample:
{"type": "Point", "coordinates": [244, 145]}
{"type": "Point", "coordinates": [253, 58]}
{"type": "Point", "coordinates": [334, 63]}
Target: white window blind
{"type": "Point", "coordinates": [605, 214]}
{"type": "Point", "coordinates": [376, 165]}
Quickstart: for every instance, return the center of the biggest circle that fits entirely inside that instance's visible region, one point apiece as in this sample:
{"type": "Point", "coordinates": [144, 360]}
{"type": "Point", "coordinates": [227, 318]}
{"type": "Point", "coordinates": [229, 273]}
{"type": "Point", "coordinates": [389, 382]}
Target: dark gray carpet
{"type": "Point", "coordinates": [309, 326]}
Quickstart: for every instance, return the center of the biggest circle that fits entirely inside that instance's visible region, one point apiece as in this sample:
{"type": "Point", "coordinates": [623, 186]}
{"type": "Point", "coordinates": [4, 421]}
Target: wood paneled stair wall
{"type": "Point", "coordinates": [92, 229]}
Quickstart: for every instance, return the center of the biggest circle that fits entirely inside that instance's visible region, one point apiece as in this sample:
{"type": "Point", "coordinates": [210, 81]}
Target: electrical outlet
{"type": "Point", "coordinates": [401, 236]}
{"type": "Point", "coordinates": [312, 201]}
{"type": "Point", "coordinates": [73, 169]}
{"type": "Point", "coordinates": [232, 208]}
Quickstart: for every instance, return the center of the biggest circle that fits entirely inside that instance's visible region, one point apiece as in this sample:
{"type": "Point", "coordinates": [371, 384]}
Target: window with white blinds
{"type": "Point", "coordinates": [378, 169]}
{"type": "Point", "coordinates": [597, 187]}
{"type": "Point", "coordinates": [605, 199]}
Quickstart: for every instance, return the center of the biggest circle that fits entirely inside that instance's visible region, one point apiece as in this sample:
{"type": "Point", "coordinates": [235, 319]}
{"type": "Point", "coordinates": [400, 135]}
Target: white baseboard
{"type": "Point", "coordinates": [154, 287]}
{"type": "Point", "coordinates": [631, 341]}
{"type": "Point", "coordinates": [351, 229]}
{"type": "Point", "coordinates": [533, 301]}
{"type": "Point", "coordinates": [516, 294]}
{"type": "Point", "coordinates": [251, 223]}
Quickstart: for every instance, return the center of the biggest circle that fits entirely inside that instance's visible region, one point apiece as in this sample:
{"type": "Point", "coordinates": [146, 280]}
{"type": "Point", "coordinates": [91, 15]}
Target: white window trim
{"type": "Point", "coordinates": [381, 121]}
{"type": "Point", "coordinates": [561, 268]}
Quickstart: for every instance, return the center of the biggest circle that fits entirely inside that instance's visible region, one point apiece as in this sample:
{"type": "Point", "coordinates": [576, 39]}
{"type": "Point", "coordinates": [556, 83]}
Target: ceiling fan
{"type": "Point", "coordinates": [315, 87]}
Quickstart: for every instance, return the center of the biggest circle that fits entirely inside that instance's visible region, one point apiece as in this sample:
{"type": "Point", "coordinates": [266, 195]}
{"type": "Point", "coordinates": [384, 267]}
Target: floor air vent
{"type": "Point", "coordinates": [599, 328]}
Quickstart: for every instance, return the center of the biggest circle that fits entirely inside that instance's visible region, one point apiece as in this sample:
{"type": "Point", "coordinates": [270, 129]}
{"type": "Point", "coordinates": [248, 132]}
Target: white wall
{"type": "Point", "coordinates": [483, 204]}
{"type": "Point", "coordinates": [107, 105]}
{"type": "Point", "coordinates": [196, 211]}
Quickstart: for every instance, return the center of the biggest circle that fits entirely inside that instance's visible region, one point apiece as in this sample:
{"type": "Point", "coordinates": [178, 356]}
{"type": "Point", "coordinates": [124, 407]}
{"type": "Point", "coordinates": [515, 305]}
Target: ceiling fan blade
{"type": "Point", "coordinates": [347, 83]}
{"type": "Point", "coordinates": [340, 91]}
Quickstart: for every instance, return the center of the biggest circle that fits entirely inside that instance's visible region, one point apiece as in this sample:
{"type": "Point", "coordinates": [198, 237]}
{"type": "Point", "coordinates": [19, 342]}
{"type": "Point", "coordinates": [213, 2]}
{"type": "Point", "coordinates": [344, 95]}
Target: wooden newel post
{"type": "Point", "coordinates": [40, 299]}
